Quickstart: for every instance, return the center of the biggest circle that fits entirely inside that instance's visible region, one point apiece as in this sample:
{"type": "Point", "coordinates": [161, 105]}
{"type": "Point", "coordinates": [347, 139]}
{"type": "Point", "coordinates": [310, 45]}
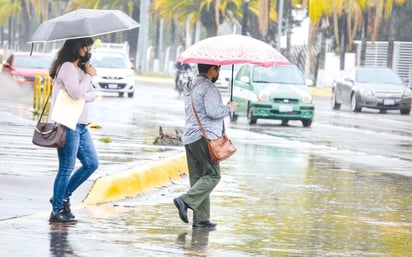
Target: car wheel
{"type": "Point", "coordinates": [251, 118]}
{"type": "Point", "coordinates": [405, 110]}
{"type": "Point", "coordinates": [285, 122]}
{"type": "Point", "coordinates": [130, 94]}
{"type": "Point", "coordinates": [234, 117]}
{"type": "Point", "coordinates": [307, 122]}
{"type": "Point", "coordinates": [355, 104]}
{"type": "Point", "coordinates": [121, 94]}
{"type": "Point", "coordinates": [335, 105]}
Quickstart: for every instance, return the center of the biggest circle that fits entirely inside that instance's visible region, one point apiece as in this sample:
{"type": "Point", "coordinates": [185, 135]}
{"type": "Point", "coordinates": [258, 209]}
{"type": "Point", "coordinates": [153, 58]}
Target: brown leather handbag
{"type": "Point", "coordinates": [220, 148]}
{"type": "Point", "coordinates": [49, 134]}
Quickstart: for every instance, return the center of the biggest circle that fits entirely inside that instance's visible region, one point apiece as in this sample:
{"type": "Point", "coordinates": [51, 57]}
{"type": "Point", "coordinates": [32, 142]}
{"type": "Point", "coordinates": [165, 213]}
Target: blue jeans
{"type": "Point", "coordinates": [79, 145]}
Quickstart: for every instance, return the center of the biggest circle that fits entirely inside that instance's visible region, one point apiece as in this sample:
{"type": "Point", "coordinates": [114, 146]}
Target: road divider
{"type": "Point", "coordinates": [137, 180]}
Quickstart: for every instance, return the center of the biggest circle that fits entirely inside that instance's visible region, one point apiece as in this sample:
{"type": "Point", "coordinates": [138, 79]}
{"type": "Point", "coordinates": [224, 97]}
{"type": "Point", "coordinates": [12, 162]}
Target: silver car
{"type": "Point", "coordinates": [371, 87]}
{"type": "Point", "coordinates": [115, 73]}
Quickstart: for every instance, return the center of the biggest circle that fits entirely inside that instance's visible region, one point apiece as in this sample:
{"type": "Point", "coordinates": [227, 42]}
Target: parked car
{"type": "Point", "coordinates": [115, 73]}
{"type": "Point", "coordinates": [371, 87]}
{"type": "Point", "coordinates": [23, 67]}
{"type": "Point", "coordinates": [278, 92]}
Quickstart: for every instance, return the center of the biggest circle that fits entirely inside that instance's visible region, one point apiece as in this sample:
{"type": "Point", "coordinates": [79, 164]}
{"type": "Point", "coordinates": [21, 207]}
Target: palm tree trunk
{"type": "Point", "coordinates": [343, 40]}
{"type": "Point", "coordinates": [133, 34]}
{"type": "Point", "coordinates": [245, 8]}
{"type": "Point", "coordinates": [364, 37]}
{"type": "Point", "coordinates": [288, 27]}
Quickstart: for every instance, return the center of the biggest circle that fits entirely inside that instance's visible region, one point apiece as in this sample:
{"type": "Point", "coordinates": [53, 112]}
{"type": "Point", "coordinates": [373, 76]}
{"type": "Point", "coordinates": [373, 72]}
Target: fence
{"type": "Point", "coordinates": [377, 55]}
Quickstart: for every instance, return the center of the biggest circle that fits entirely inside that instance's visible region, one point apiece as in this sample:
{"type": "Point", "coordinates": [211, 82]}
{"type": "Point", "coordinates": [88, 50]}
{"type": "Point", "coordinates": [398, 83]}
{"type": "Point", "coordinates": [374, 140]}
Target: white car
{"type": "Point", "coordinates": [225, 77]}
{"type": "Point", "coordinates": [115, 73]}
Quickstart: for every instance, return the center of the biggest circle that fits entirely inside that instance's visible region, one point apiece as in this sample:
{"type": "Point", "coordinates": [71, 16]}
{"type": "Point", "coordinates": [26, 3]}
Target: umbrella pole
{"type": "Point", "coordinates": [231, 83]}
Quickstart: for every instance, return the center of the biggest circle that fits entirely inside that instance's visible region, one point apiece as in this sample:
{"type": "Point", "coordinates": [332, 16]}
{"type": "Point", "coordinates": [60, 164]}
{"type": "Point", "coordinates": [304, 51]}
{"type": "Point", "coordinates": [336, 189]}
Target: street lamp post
{"type": "Point", "coordinates": [142, 41]}
{"type": "Point", "coordinates": [280, 19]}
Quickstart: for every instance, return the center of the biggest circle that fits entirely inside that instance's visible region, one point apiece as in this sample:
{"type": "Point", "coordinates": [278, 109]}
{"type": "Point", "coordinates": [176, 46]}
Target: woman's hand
{"type": "Point", "coordinates": [90, 69]}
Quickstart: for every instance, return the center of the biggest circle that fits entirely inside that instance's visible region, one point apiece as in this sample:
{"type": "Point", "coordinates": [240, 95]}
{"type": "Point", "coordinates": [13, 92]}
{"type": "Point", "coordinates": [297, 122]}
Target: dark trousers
{"type": "Point", "coordinates": [204, 176]}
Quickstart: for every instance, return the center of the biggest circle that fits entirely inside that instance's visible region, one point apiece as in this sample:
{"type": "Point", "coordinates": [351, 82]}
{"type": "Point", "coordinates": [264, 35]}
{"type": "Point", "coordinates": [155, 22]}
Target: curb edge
{"type": "Point", "coordinates": [137, 180]}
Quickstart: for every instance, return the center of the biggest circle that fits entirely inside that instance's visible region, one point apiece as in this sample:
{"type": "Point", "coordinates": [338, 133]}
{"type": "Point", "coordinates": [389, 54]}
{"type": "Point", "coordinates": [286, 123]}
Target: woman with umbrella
{"type": "Point", "coordinates": [73, 73]}
{"type": "Point", "coordinates": [204, 175]}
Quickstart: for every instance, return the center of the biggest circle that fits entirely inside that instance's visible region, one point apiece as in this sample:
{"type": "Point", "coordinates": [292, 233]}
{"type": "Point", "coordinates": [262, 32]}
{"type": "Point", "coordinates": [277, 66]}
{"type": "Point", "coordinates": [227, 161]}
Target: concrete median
{"type": "Point", "coordinates": [137, 180]}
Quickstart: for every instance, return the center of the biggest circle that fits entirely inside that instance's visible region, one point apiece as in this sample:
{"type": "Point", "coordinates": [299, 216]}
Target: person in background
{"type": "Point", "coordinates": [73, 73]}
{"type": "Point", "coordinates": [204, 175]}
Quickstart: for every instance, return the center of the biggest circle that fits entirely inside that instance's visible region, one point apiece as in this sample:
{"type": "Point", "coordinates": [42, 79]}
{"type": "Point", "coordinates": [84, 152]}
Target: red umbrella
{"type": "Point", "coordinates": [232, 49]}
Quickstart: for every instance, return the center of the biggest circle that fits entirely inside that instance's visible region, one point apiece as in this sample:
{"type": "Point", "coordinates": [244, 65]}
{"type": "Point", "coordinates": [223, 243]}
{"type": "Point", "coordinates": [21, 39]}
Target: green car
{"type": "Point", "coordinates": [278, 92]}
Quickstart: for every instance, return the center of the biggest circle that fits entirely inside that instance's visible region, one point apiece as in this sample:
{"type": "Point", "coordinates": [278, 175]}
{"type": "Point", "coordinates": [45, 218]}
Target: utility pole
{"type": "Point", "coordinates": [280, 19]}
{"type": "Point", "coordinates": [142, 41]}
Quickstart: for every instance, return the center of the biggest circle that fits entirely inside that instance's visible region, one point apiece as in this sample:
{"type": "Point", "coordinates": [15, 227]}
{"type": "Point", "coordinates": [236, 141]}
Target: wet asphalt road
{"type": "Point", "coordinates": [339, 188]}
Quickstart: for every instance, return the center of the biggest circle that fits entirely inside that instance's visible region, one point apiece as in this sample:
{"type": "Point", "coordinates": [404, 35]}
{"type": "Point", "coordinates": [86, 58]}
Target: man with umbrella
{"type": "Point", "coordinates": [204, 175]}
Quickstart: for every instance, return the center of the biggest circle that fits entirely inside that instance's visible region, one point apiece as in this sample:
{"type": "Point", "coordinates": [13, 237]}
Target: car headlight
{"type": "Point", "coordinates": [307, 99]}
{"type": "Point", "coordinates": [367, 93]}
{"type": "Point", "coordinates": [263, 97]}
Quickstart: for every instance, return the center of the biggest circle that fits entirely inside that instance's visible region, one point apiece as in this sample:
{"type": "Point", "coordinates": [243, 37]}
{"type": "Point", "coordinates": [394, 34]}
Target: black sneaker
{"type": "Point", "coordinates": [66, 207]}
{"type": "Point", "coordinates": [204, 224]}
{"type": "Point", "coordinates": [61, 217]}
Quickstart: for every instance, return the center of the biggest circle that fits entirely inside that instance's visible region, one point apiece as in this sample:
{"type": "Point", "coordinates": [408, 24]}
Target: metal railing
{"type": "Point", "coordinates": [42, 89]}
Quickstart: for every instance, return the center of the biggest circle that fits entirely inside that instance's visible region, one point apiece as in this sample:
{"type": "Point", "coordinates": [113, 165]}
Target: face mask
{"type": "Point", "coordinates": [85, 58]}
{"type": "Point", "coordinates": [214, 79]}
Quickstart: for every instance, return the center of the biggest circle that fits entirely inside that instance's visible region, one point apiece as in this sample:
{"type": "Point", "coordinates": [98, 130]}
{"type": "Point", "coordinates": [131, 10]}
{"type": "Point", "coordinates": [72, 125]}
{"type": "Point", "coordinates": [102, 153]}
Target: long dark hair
{"type": "Point", "coordinates": [69, 53]}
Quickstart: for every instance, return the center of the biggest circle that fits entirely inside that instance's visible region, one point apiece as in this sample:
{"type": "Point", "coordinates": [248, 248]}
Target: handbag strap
{"type": "Point", "coordinates": [195, 112]}
{"type": "Point", "coordinates": [44, 108]}
{"type": "Point", "coordinates": [48, 96]}
{"type": "Point", "coordinates": [197, 116]}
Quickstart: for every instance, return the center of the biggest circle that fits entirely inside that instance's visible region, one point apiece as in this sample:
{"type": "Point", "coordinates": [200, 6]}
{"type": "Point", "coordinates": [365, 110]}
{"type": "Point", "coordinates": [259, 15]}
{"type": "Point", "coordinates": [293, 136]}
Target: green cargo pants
{"type": "Point", "coordinates": [204, 176]}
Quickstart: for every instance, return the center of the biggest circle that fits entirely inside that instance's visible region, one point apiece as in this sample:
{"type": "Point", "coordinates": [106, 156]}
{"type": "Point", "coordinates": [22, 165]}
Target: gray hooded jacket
{"type": "Point", "coordinates": [209, 107]}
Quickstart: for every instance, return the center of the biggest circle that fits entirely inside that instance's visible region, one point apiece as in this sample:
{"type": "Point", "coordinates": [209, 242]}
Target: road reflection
{"type": "Point", "coordinates": [198, 242]}
{"type": "Point", "coordinates": [59, 243]}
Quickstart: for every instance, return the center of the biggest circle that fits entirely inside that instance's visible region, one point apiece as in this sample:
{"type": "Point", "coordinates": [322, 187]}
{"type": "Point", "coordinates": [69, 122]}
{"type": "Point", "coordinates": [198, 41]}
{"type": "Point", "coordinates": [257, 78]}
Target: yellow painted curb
{"type": "Point", "coordinates": [321, 91]}
{"type": "Point", "coordinates": [137, 180]}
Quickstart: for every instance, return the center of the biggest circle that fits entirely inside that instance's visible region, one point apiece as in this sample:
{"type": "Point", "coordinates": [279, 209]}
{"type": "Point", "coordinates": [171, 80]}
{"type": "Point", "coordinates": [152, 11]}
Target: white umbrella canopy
{"type": "Point", "coordinates": [232, 49]}
{"type": "Point", "coordinates": [83, 23]}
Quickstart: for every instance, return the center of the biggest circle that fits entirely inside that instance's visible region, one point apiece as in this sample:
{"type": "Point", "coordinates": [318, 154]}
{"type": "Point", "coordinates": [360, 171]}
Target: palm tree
{"type": "Point", "coordinates": [22, 17]}
{"type": "Point", "coordinates": [211, 13]}
{"type": "Point", "coordinates": [8, 10]}
{"type": "Point", "coordinates": [130, 7]}
{"type": "Point", "coordinates": [387, 9]}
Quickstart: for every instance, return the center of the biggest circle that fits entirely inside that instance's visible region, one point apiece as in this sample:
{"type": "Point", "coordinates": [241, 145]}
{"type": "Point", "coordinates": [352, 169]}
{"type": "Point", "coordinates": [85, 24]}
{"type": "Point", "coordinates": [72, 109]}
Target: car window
{"type": "Point", "coordinates": [243, 72]}
{"type": "Point", "coordinates": [279, 74]}
{"type": "Point", "coordinates": [109, 61]}
{"type": "Point", "coordinates": [377, 76]}
{"type": "Point", "coordinates": [32, 62]}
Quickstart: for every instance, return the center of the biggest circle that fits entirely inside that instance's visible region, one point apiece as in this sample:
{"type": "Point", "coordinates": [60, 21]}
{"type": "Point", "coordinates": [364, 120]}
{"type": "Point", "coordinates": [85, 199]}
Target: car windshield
{"type": "Point", "coordinates": [109, 61]}
{"type": "Point", "coordinates": [279, 74]}
{"type": "Point", "coordinates": [32, 62]}
{"type": "Point", "coordinates": [377, 76]}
